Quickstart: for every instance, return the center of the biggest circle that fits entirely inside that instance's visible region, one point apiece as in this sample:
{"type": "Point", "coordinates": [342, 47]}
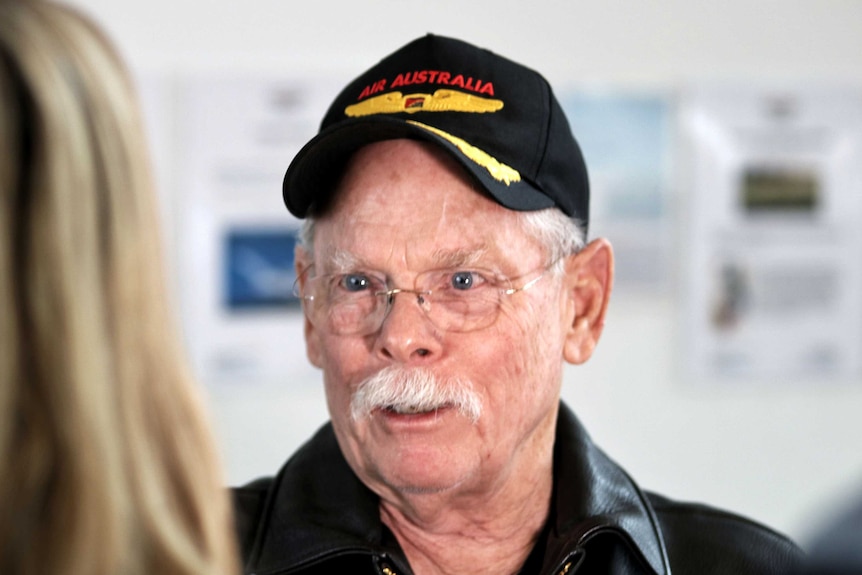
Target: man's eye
{"type": "Point", "coordinates": [466, 280]}
{"type": "Point", "coordinates": [355, 282]}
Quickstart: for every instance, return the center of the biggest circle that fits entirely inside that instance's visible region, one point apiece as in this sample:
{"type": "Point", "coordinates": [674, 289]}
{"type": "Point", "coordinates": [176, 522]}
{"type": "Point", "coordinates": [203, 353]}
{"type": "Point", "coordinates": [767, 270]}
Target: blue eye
{"type": "Point", "coordinates": [355, 282]}
{"type": "Point", "coordinates": [463, 280]}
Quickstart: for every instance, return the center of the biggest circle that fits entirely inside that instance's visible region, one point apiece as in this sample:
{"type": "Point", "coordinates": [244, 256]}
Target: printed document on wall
{"type": "Point", "coordinates": [773, 262]}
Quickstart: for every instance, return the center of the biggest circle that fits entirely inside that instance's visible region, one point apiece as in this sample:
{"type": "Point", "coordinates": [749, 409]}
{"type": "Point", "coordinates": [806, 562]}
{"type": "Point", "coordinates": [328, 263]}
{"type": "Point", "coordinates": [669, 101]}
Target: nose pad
{"type": "Point", "coordinates": [421, 299]}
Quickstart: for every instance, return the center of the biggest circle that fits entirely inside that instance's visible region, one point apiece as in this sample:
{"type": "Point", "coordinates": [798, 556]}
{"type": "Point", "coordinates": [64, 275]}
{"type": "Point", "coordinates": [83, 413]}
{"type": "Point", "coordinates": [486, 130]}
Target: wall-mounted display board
{"type": "Point", "coordinates": [626, 139]}
{"type": "Point", "coordinates": [772, 274]}
{"type": "Point", "coordinates": [236, 137]}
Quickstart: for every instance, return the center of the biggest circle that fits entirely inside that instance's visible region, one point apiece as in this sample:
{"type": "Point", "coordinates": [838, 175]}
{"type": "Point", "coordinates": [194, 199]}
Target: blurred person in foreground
{"type": "Point", "coordinates": [446, 279]}
{"type": "Point", "coordinates": [836, 548]}
{"type": "Point", "coordinates": [107, 465]}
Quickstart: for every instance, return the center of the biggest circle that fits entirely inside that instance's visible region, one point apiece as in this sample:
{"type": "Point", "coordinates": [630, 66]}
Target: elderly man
{"type": "Point", "coordinates": [445, 281]}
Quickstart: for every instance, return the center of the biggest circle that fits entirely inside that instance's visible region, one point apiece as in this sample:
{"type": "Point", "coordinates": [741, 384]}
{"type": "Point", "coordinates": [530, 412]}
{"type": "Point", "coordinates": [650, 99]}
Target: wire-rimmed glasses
{"type": "Point", "coordinates": [357, 302]}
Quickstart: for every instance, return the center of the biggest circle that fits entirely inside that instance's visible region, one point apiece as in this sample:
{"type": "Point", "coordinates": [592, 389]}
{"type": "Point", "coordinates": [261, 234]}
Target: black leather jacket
{"type": "Point", "coordinates": [315, 516]}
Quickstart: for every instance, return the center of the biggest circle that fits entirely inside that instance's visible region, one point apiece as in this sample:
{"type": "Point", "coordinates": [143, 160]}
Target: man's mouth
{"type": "Point", "coordinates": [412, 409]}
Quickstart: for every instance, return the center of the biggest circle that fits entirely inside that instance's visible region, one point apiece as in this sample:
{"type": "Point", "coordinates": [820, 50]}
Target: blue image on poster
{"type": "Point", "coordinates": [258, 265]}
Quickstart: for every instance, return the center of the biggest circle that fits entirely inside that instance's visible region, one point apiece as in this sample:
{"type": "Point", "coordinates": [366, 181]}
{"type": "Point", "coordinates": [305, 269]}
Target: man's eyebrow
{"type": "Point", "coordinates": [340, 260]}
{"type": "Point", "coordinates": [458, 258]}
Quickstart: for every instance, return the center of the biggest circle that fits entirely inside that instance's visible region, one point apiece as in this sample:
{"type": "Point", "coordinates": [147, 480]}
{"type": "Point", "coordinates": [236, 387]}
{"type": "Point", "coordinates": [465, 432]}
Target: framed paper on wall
{"type": "Point", "coordinates": [772, 247]}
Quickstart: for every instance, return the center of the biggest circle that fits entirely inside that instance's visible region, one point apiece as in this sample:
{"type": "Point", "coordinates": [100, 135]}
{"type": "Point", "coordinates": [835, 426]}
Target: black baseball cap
{"type": "Point", "coordinates": [497, 118]}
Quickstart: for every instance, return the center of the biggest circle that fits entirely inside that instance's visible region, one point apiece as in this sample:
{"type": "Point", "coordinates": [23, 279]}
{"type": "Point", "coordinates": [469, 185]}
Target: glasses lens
{"type": "Point", "coordinates": [342, 304]}
{"type": "Point", "coordinates": [461, 300]}
{"type": "Point", "coordinates": [353, 315]}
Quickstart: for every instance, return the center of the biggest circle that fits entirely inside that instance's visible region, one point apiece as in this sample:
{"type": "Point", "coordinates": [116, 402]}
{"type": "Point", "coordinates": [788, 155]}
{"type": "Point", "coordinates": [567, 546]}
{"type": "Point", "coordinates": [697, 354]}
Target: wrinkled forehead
{"type": "Point", "coordinates": [332, 259]}
{"type": "Point", "coordinates": [405, 201]}
{"type": "Point", "coordinates": [397, 165]}
{"type": "Point", "coordinates": [447, 242]}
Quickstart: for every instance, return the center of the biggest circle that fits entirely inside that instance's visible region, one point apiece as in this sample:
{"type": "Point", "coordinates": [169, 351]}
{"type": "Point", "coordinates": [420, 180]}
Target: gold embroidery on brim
{"type": "Point", "coordinates": [440, 101]}
{"type": "Point", "coordinates": [498, 170]}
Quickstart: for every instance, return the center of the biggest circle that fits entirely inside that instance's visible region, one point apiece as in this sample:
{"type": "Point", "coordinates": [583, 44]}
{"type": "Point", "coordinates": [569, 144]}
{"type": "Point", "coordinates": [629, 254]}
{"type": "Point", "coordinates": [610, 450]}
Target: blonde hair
{"type": "Point", "coordinates": [107, 464]}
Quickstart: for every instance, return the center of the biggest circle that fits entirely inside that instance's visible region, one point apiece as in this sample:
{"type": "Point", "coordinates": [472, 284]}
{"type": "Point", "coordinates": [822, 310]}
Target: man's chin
{"type": "Point", "coordinates": [420, 468]}
{"type": "Point", "coordinates": [421, 483]}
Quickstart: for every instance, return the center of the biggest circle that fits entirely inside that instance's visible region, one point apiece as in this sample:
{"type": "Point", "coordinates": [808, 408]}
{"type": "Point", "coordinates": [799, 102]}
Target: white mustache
{"type": "Point", "coordinates": [415, 390]}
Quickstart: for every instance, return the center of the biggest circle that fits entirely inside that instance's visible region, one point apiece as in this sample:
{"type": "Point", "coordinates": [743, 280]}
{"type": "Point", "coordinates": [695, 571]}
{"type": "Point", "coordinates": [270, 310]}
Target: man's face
{"type": "Point", "coordinates": [401, 209]}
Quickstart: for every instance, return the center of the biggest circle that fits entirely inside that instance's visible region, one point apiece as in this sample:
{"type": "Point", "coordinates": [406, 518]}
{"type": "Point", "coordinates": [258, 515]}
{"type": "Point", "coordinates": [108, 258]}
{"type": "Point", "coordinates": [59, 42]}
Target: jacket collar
{"type": "Point", "coordinates": [317, 507]}
{"type": "Point", "coordinates": [593, 495]}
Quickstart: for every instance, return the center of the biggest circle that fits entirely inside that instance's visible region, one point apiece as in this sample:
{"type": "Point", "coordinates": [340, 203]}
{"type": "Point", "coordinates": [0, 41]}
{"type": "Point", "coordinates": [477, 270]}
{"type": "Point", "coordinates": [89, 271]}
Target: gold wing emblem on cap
{"type": "Point", "coordinates": [498, 170]}
{"type": "Point", "coordinates": [440, 101]}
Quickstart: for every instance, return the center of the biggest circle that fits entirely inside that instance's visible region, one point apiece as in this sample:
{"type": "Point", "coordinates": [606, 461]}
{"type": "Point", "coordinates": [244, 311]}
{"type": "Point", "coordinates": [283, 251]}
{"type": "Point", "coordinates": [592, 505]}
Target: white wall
{"type": "Point", "coordinates": [777, 453]}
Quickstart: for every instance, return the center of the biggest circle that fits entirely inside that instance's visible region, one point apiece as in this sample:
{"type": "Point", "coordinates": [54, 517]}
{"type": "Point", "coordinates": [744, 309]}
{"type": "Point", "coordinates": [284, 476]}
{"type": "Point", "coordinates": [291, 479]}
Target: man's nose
{"type": "Point", "coordinates": [407, 333]}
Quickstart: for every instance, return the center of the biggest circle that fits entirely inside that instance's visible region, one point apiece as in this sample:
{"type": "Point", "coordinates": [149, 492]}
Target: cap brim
{"type": "Point", "coordinates": [314, 172]}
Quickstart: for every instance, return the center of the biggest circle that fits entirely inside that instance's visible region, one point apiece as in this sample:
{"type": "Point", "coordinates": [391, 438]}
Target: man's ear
{"type": "Point", "coordinates": [589, 280]}
{"type": "Point", "coordinates": [302, 263]}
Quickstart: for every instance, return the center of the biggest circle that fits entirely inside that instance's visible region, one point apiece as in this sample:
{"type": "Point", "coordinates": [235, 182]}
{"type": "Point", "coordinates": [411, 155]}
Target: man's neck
{"type": "Point", "coordinates": [444, 533]}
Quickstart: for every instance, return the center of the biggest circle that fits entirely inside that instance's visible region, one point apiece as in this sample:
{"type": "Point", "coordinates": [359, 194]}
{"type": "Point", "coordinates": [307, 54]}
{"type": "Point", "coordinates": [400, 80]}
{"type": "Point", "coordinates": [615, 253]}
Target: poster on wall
{"type": "Point", "coordinates": [772, 244]}
{"type": "Point", "coordinates": [626, 142]}
{"type": "Point", "coordinates": [237, 135]}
